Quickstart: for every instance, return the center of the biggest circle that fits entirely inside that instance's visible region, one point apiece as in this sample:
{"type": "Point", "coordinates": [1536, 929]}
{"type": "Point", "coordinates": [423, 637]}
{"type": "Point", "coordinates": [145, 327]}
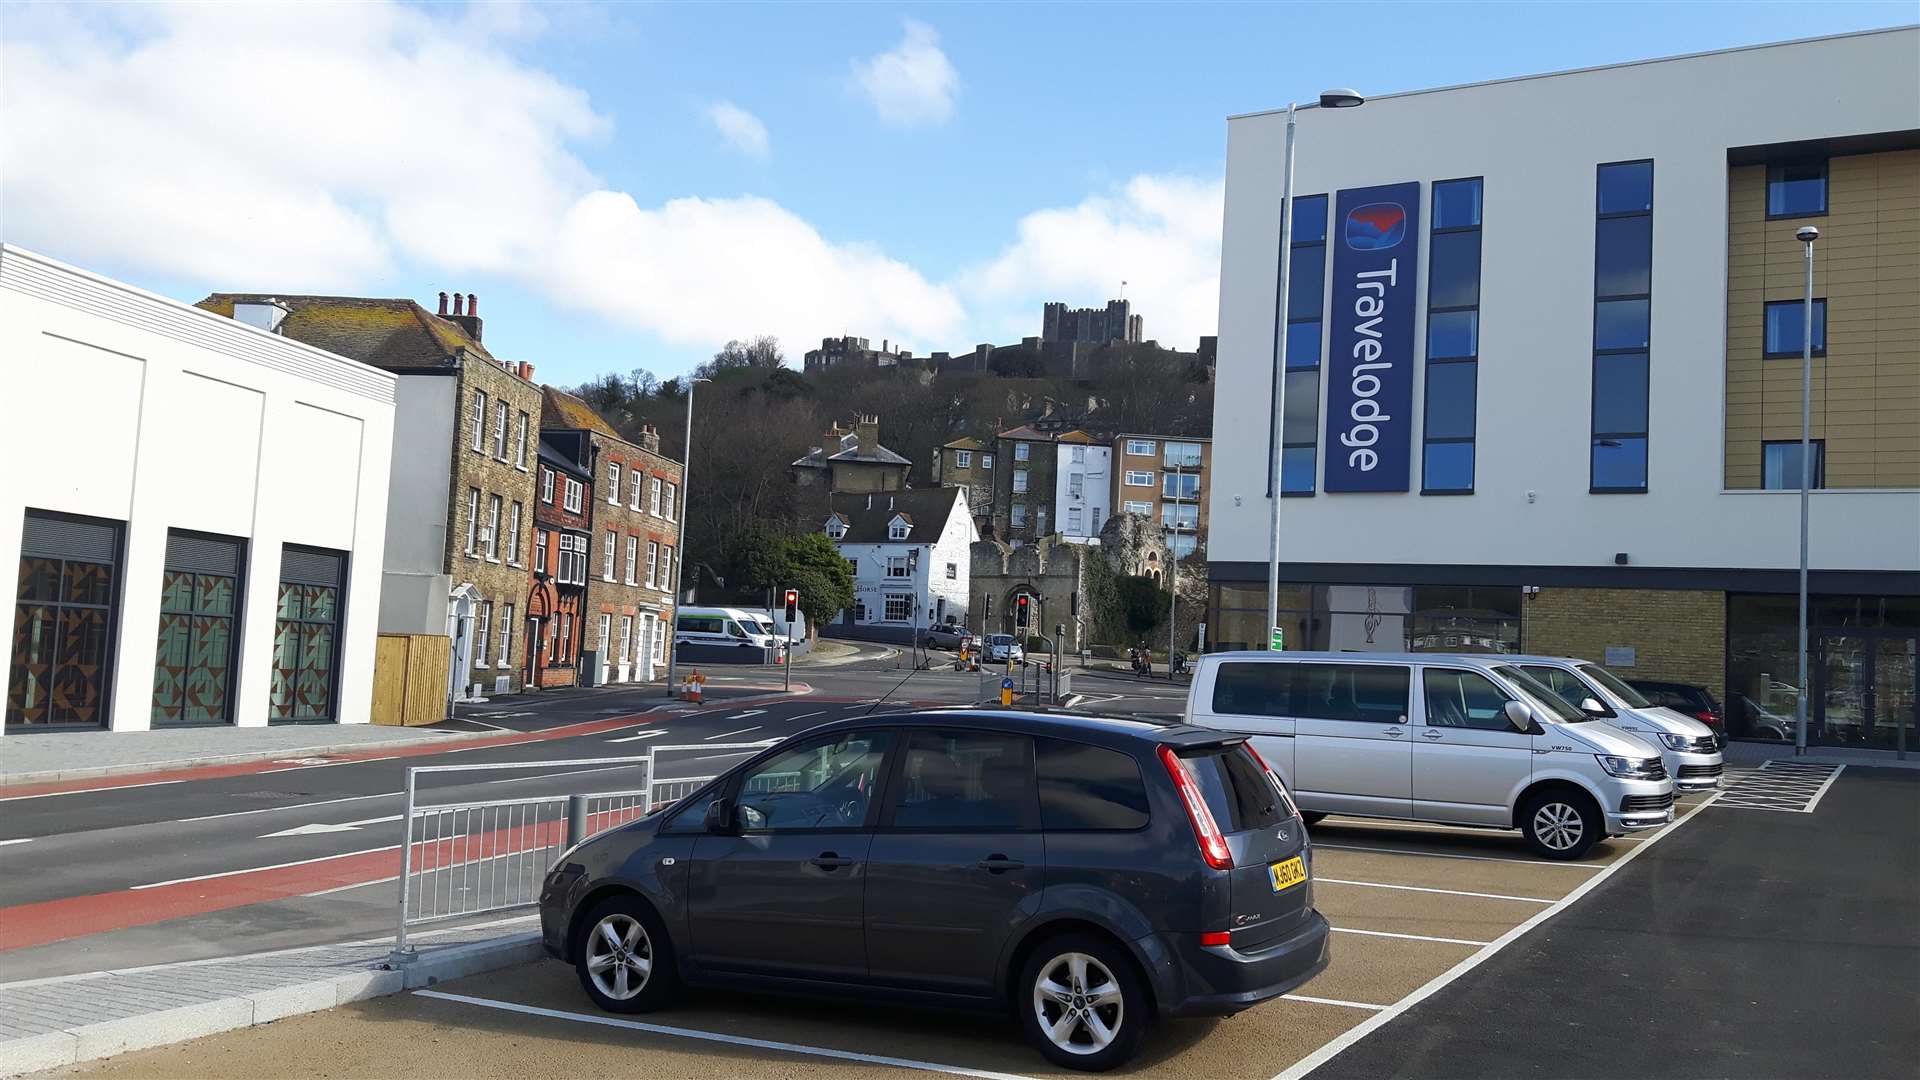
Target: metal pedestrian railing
{"type": "Point", "coordinates": [664, 791]}
{"type": "Point", "coordinates": [471, 857]}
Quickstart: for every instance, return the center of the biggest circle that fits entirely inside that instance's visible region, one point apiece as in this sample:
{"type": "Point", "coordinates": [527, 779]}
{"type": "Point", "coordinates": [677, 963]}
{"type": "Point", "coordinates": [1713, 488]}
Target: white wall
{"type": "Point", "coordinates": [954, 546]}
{"type": "Point", "coordinates": [1537, 143]}
{"type": "Point", "coordinates": [414, 589]}
{"type": "Point", "coordinates": [1096, 495]}
{"type": "Point", "coordinates": [929, 581]}
{"type": "Point", "coordinates": [135, 408]}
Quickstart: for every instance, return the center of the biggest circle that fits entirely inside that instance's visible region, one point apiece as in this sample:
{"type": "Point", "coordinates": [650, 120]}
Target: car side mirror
{"type": "Point", "coordinates": [721, 819]}
{"type": "Point", "coordinates": [1592, 707]}
{"type": "Point", "coordinates": [1520, 717]}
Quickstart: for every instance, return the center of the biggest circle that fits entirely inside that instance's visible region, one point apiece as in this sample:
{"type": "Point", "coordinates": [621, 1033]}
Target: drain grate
{"type": "Point", "coordinates": [1789, 787]}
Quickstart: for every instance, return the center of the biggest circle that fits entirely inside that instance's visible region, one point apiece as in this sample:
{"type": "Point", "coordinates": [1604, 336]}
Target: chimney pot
{"type": "Point", "coordinates": [443, 302]}
{"type": "Point", "coordinates": [457, 309]}
{"type": "Point", "coordinates": [473, 304]}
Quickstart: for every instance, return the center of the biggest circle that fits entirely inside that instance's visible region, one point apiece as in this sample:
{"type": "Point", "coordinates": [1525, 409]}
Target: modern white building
{"type": "Point", "coordinates": [1543, 375]}
{"type": "Point", "coordinates": [1083, 486]}
{"type": "Point", "coordinates": [909, 553]}
{"type": "Point", "coordinates": [197, 510]}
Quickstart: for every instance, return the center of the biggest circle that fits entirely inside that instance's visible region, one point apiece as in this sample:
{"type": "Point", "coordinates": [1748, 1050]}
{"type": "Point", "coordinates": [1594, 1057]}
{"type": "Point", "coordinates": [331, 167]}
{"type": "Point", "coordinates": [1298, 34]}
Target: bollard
{"type": "Point", "coordinates": [576, 819]}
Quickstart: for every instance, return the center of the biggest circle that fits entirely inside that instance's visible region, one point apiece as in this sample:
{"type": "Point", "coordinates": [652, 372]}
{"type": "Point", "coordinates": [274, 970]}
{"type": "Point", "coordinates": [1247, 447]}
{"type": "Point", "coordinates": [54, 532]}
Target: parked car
{"type": "Point", "coordinates": [1004, 647]}
{"type": "Point", "coordinates": [1687, 700]}
{"type": "Point", "coordinates": [722, 626]}
{"type": "Point", "coordinates": [946, 636]}
{"type": "Point", "coordinates": [1689, 749]}
{"type": "Point", "coordinates": [1088, 872]}
{"type": "Point", "coordinates": [1464, 740]}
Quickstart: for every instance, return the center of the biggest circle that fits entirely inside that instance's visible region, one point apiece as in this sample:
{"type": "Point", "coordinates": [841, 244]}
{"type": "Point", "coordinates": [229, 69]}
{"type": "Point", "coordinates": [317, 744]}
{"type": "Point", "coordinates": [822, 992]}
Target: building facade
{"type": "Point", "coordinates": [1543, 394]}
{"type": "Point", "coordinates": [908, 552]}
{"type": "Point", "coordinates": [1165, 479]}
{"type": "Point", "coordinates": [1024, 484]}
{"type": "Point", "coordinates": [635, 521]}
{"type": "Point", "coordinates": [460, 519]}
{"type": "Point", "coordinates": [848, 460]}
{"type": "Point", "coordinates": [1083, 486]}
{"type": "Point", "coordinates": [209, 551]}
{"type": "Point", "coordinates": [834, 352]}
{"type": "Point", "coordinates": [1115, 322]}
{"type": "Point", "coordinates": [967, 463]}
{"type": "Point", "coordinates": [556, 609]}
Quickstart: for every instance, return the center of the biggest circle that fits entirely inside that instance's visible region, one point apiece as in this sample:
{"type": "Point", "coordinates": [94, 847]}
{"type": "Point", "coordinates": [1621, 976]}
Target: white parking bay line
{"type": "Point", "coordinates": [90, 790]}
{"type": "Point", "coordinates": [731, 734]}
{"type": "Point", "coordinates": [1334, 1001]}
{"type": "Point", "coordinates": [717, 1037]}
{"type": "Point", "coordinates": [1439, 982]}
{"type": "Point", "coordinates": [1589, 867]}
{"type": "Point", "coordinates": [257, 869]}
{"type": "Point", "coordinates": [1424, 889]}
{"type": "Point", "coordinates": [22, 840]}
{"type": "Point", "coordinates": [1405, 937]}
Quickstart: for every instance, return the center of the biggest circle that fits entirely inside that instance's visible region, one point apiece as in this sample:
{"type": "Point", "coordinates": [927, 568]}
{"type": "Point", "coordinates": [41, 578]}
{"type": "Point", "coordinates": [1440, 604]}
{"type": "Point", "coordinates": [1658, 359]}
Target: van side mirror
{"type": "Point", "coordinates": [720, 818]}
{"type": "Point", "coordinates": [1520, 717]}
{"type": "Point", "coordinates": [1592, 707]}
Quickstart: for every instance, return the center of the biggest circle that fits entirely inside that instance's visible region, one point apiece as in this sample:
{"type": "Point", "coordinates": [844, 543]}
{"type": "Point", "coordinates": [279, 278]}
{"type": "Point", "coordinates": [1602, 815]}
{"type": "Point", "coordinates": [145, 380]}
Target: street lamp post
{"type": "Point", "coordinates": [680, 538]}
{"type": "Point", "coordinates": [1807, 234]}
{"type": "Point", "coordinates": [1173, 551]}
{"type": "Point", "coordinates": [1329, 99]}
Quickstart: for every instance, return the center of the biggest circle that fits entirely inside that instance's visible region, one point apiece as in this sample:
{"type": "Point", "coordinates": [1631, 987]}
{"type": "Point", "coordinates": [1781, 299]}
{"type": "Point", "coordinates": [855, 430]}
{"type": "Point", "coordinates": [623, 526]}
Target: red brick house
{"type": "Point", "coordinates": [562, 533]}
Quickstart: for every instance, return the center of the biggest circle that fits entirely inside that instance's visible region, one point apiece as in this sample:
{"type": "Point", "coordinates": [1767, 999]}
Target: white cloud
{"type": "Point", "coordinates": [913, 84]}
{"type": "Point", "coordinates": [1160, 234]}
{"type": "Point", "coordinates": [741, 129]}
{"type": "Point", "coordinates": [334, 147]}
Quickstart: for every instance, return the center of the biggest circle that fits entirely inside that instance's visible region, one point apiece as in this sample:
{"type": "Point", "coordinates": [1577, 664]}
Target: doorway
{"type": "Point", "coordinates": [1865, 689]}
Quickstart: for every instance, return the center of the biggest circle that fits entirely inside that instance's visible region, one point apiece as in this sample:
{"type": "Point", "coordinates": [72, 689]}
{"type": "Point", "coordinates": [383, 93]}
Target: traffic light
{"type": "Point", "coordinates": [793, 604]}
{"type": "Point", "coordinates": [1020, 605]}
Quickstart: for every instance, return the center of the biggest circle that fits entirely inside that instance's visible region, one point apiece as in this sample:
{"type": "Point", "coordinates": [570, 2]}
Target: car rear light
{"type": "Point", "coordinates": [1216, 937]}
{"type": "Point", "coordinates": [1285, 795]}
{"type": "Point", "coordinates": [1213, 843]}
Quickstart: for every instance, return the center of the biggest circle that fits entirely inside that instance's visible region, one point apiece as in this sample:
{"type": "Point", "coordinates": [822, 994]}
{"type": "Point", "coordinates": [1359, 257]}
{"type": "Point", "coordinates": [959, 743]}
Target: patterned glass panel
{"type": "Point", "coordinates": [39, 579]}
{"type": "Point", "coordinates": [32, 664]}
{"type": "Point", "coordinates": [306, 652]}
{"type": "Point", "coordinates": [88, 583]}
{"type": "Point", "coordinates": [61, 641]}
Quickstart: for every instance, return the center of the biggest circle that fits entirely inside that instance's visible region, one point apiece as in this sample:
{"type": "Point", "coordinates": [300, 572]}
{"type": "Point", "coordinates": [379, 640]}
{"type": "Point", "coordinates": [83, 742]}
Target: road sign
{"type": "Point", "coordinates": [1006, 690]}
{"type": "Point", "coordinates": [1201, 639]}
{"type": "Point", "coordinates": [1279, 640]}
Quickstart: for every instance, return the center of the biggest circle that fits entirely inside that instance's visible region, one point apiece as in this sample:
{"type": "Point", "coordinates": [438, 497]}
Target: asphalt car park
{"type": "Point", "coordinates": [1411, 907]}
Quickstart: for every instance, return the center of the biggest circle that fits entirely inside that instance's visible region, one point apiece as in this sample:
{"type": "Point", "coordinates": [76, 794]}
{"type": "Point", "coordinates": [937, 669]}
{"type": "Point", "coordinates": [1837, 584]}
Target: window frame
{"type": "Point", "coordinates": [540, 540]}
{"type": "Point", "coordinates": [546, 485]}
{"type": "Point", "coordinates": [963, 459]}
{"type": "Point", "coordinates": [500, 429]}
{"type": "Point", "coordinates": [233, 618]}
{"type": "Point", "coordinates": [1142, 447]}
{"type": "Point", "coordinates": [520, 442]}
{"type": "Point", "coordinates": [1022, 451]}
{"type": "Point", "coordinates": [887, 602]}
{"type": "Point", "coordinates": [1819, 450]}
{"type": "Point", "coordinates": [473, 522]}
{"type": "Point", "coordinates": [670, 495]}
{"type": "Point", "coordinates": [1826, 188]}
{"type": "Point", "coordinates": [1277, 427]}
{"type": "Point", "coordinates": [632, 571]}
{"type": "Point", "coordinates": [1131, 481]}
{"type": "Point", "coordinates": [653, 564]}
{"type": "Point", "coordinates": [730, 789]}
{"type": "Point", "coordinates": [477, 414]}
{"type": "Point", "coordinates": [575, 498]}
{"type": "Point", "coordinates": [607, 559]}
{"type": "Point", "coordinates": [493, 528]}
{"type": "Point", "coordinates": [1022, 482]}
{"type": "Point", "coordinates": [506, 638]}
{"type": "Point", "coordinates": [1644, 435]}
{"type": "Point", "coordinates": [1820, 309]}
{"type": "Point", "coordinates": [1426, 343]}
{"type": "Point", "coordinates": [1427, 671]}
{"type": "Point", "coordinates": [1136, 506]}
{"type": "Point", "coordinates": [613, 483]}
{"type": "Point", "coordinates": [513, 533]}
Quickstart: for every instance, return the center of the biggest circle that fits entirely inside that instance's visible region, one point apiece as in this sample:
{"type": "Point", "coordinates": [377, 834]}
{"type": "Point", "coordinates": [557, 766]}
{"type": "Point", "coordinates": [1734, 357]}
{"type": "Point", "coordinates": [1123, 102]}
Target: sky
{"type": "Point", "coordinates": [632, 185]}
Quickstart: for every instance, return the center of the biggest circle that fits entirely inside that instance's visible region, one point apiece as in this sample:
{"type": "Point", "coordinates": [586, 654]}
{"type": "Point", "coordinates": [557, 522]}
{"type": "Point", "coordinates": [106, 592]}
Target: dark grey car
{"type": "Point", "coordinates": [1088, 873]}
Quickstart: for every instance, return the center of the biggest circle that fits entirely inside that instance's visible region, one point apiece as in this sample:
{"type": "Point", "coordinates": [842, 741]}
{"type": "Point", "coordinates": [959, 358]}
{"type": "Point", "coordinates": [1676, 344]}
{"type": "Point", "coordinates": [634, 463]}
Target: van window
{"type": "Point", "coordinates": [1237, 790]}
{"type": "Point", "coordinates": [1088, 787]}
{"type": "Point", "coordinates": [1611, 684]}
{"type": "Point", "coordinates": [1253, 689]}
{"type": "Point", "coordinates": [701, 624]}
{"type": "Point", "coordinates": [733, 629]}
{"type": "Point", "coordinates": [1370, 693]}
{"type": "Point", "coordinates": [1548, 699]}
{"type": "Point", "coordinates": [1465, 699]}
{"type": "Point", "coordinates": [1565, 685]}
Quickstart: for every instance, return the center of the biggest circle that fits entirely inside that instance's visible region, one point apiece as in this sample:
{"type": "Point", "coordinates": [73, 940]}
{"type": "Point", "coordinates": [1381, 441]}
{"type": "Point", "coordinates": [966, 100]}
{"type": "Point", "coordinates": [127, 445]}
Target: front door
{"type": "Point", "coordinates": [602, 654]}
{"type": "Point", "coordinates": [786, 895]}
{"type": "Point", "coordinates": [1864, 691]}
{"type": "Point", "coordinates": [957, 862]}
{"type": "Point", "coordinates": [1468, 762]}
{"type": "Point", "coordinates": [1352, 745]}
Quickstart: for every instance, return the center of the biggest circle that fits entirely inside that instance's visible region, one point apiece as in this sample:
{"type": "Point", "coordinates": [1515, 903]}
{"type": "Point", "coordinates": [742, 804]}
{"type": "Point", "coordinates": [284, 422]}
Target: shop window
{"type": "Point", "coordinates": [61, 663]}
{"type": "Point", "coordinates": [199, 606]}
{"type": "Point", "coordinates": [306, 636]}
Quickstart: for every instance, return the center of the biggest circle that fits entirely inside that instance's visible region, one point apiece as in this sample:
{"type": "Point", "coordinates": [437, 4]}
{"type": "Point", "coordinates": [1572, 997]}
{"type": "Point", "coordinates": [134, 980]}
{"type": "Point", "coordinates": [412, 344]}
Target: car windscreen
{"type": "Point", "coordinates": [1000, 639]}
{"type": "Point", "coordinates": [1611, 683]}
{"type": "Point", "coordinates": [1545, 698]}
{"type": "Point", "coordinates": [1236, 788]}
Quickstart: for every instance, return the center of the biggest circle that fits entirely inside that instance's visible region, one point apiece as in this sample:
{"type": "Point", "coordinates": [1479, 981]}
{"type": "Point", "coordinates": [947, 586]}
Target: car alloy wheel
{"type": "Point", "coordinates": [620, 957]}
{"type": "Point", "coordinates": [1558, 826]}
{"type": "Point", "coordinates": [1079, 1003]}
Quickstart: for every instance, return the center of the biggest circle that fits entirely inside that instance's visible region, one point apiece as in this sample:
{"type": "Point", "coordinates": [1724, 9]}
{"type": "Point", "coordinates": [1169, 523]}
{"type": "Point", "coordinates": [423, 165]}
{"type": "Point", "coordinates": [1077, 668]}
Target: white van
{"type": "Point", "coordinates": [722, 626]}
{"type": "Point", "coordinates": [1688, 747]}
{"type": "Point", "coordinates": [1462, 740]}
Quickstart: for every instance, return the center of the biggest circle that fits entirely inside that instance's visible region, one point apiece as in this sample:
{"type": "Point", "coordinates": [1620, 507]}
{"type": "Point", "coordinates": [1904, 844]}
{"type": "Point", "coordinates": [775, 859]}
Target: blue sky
{"type": "Point", "coordinates": [629, 185]}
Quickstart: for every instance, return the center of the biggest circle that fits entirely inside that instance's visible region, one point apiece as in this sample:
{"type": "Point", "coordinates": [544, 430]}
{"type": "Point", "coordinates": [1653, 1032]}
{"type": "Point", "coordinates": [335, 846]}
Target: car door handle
{"type": "Point", "coordinates": [1431, 734]}
{"type": "Point", "coordinates": [827, 860]}
{"type": "Point", "coordinates": [1393, 732]}
{"type": "Point", "coordinates": [1000, 864]}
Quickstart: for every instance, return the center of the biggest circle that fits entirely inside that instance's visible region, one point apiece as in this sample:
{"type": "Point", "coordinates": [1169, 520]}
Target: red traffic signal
{"type": "Point", "coordinates": [793, 603]}
{"type": "Point", "coordinates": [1020, 611]}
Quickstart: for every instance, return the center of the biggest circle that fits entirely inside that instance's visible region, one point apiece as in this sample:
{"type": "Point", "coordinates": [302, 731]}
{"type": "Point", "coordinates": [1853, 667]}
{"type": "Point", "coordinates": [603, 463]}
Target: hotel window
{"type": "Point", "coordinates": [899, 607]}
{"type": "Point", "coordinates": [853, 567]}
{"type": "Point", "coordinates": [546, 486]}
{"type": "Point", "coordinates": [653, 496]}
{"type": "Point", "coordinates": [653, 564]}
{"type": "Point", "coordinates": [1798, 189]}
{"type": "Point", "coordinates": [607, 557]}
{"type": "Point", "coordinates": [1133, 507]}
{"type": "Point", "coordinates": [1136, 478]}
{"type": "Point", "coordinates": [1020, 451]}
{"type": "Point", "coordinates": [520, 442]}
{"type": "Point", "coordinates": [306, 635]}
{"type": "Point", "coordinates": [1019, 479]}
{"type": "Point", "coordinates": [500, 430]}
{"type": "Point", "coordinates": [963, 459]}
{"type": "Point", "coordinates": [1787, 327]}
{"type": "Point", "coordinates": [575, 489]}
{"type": "Point", "coordinates": [669, 491]}
{"type": "Point", "coordinates": [199, 600]}
{"type": "Point", "coordinates": [613, 483]}
{"type": "Point", "coordinates": [1140, 447]}
{"type": "Point", "coordinates": [633, 560]}
{"type": "Point", "coordinates": [896, 566]}
{"type": "Point", "coordinates": [493, 528]}
{"type": "Point", "coordinates": [1780, 463]}
{"type": "Point", "coordinates": [540, 551]}
{"type": "Point", "coordinates": [482, 626]}
{"type": "Point", "coordinates": [63, 622]}
{"type": "Point", "coordinates": [478, 419]}
{"type": "Point", "coordinates": [1306, 299]}
{"type": "Point", "coordinates": [513, 536]}
{"type": "Point", "coordinates": [506, 638]}
{"type": "Point", "coordinates": [1622, 290]}
{"type": "Point", "coordinates": [634, 478]}
{"type": "Point", "coordinates": [1073, 521]}
{"type": "Point", "coordinates": [897, 530]}
{"type": "Point", "coordinates": [1453, 338]}
{"type": "Point", "coordinates": [473, 520]}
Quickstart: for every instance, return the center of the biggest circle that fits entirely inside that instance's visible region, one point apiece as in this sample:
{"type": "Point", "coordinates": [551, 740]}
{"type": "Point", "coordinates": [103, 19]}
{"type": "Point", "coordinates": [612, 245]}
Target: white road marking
{"type": "Point", "coordinates": [328, 827]}
{"type": "Point", "coordinates": [257, 869]}
{"type": "Point", "coordinates": [22, 840]}
{"type": "Point", "coordinates": [349, 761]}
{"type": "Point", "coordinates": [1406, 937]}
{"type": "Point", "coordinates": [1461, 831]}
{"type": "Point", "coordinates": [804, 715]}
{"type": "Point", "coordinates": [1424, 889]}
{"type": "Point", "coordinates": [731, 734]}
{"type": "Point", "coordinates": [1473, 858]}
{"type": "Point", "coordinates": [744, 715]}
{"type": "Point", "coordinates": [1334, 1001]}
{"type": "Point", "coordinates": [87, 791]}
{"type": "Point", "coordinates": [290, 808]}
{"type": "Point", "coordinates": [655, 733]}
{"type": "Point", "coordinates": [1439, 982]}
{"type": "Point", "coordinates": [717, 1037]}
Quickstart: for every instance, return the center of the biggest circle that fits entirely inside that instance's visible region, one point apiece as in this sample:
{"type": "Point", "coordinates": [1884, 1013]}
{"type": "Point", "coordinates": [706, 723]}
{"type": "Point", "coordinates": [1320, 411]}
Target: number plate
{"type": "Point", "coordinates": [1285, 875]}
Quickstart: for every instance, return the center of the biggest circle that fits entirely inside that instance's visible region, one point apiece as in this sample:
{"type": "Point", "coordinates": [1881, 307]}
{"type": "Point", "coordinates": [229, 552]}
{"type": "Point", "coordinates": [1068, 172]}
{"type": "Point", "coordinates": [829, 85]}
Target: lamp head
{"type": "Point", "coordinates": [1340, 98]}
{"type": "Point", "coordinates": [1807, 234]}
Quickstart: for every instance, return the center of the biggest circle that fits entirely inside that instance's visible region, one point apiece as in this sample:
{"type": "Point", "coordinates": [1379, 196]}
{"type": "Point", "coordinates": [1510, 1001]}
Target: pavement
{"type": "Point", "coordinates": [37, 757]}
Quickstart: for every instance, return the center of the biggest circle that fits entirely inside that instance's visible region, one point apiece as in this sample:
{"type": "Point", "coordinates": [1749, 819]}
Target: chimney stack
{"type": "Point", "coordinates": [443, 304]}
{"type": "Point", "coordinates": [457, 301]}
{"type": "Point", "coordinates": [473, 305]}
{"type": "Point", "coordinates": [466, 312]}
{"type": "Point", "coordinates": [649, 438]}
{"type": "Point", "coordinates": [867, 430]}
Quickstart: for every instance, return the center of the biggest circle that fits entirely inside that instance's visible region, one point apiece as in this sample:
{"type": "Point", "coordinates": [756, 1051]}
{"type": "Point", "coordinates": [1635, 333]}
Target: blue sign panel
{"type": "Point", "coordinates": [1370, 338]}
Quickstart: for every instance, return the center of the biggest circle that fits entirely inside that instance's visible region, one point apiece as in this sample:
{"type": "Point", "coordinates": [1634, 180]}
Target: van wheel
{"type": "Point", "coordinates": [1561, 824]}
{"type": "Point", "coordinates": [1082, 1003]}
{"type": "Point", "coordinates": [626, 962]}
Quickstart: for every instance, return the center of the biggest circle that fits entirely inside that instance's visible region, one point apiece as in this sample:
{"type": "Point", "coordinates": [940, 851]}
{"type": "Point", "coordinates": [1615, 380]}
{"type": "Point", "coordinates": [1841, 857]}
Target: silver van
{"type": "Point", "coordinates": [1460, 740]}
{"type": "Point", "coordinates": [722, 626]}
{"type": "Point", "coordinates": [1688, 748]}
